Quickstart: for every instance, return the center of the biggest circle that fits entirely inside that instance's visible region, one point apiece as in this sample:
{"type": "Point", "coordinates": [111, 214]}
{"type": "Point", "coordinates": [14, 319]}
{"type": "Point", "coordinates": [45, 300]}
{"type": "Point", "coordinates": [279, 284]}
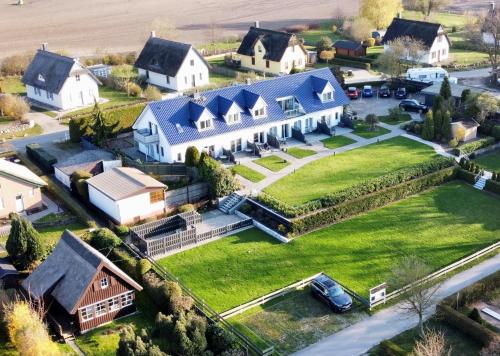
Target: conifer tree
{"type": "Point", "coordinates": [445, 90]}
{"type": "Point", "coordinates": [438, 123]}
{"type": "Point", "coordinates": [446, 126]}
{"type": "Point", "coordinates": [428, 129]}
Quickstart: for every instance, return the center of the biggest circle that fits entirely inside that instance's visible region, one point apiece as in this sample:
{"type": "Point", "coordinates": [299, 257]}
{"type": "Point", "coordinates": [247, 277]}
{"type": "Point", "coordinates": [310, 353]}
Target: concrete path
{"type": "Point", "coordinates": [360, 337]}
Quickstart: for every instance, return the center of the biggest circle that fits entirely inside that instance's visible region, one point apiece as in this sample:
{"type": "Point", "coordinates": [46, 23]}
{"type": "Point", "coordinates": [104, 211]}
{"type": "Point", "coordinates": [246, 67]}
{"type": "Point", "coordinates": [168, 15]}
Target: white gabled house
{"type": "Point", "coordinates": [59, 81]}
{"type": "Point", "coordinates": [432, 35]}
{"type": "Point", "coordinates": [232, 118]}
{"type": "Point", "coordinates": [172, 65]}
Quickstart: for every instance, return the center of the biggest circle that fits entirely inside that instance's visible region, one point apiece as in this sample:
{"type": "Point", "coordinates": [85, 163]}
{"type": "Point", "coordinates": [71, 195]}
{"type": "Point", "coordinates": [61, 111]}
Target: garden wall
{"type": "Point", "coordinates": [189, 194]}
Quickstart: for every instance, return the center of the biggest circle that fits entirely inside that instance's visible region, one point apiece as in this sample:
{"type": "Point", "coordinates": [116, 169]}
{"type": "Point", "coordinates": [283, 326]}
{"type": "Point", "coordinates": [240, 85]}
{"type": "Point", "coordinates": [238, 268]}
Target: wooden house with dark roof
{"type": "Point", "coordinates": [349, 48]}
{"type": "Point", "coordinates": [432, 35]}
{"type": "Point", "coordinates": [172, 65]}
{"type": "Point", "coordinates": [271, 51]}
{"type": "Point", "coordinates": [81, 288]}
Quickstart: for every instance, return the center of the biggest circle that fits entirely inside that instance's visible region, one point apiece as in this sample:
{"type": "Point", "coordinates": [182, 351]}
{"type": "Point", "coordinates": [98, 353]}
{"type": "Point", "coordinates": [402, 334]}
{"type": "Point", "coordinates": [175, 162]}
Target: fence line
{"type": "Point", "coordinates": [438, 273]}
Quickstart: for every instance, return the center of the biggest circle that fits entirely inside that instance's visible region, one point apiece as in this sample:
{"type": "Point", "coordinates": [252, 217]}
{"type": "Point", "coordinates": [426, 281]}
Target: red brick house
{"type": "Point", "coordinates": [81, 289]}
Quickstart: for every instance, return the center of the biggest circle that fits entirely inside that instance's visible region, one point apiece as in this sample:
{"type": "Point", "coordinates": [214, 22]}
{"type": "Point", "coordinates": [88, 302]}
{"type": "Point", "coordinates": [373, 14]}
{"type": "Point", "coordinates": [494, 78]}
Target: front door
{"type": "Point", "coordinates": [284, 131]}
{"type": "Point", "coordinates": [19, 203]}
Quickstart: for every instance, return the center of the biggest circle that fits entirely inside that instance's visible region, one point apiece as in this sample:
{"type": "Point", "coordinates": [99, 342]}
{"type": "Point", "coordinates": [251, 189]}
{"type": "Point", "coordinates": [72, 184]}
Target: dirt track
{"type": "Point", "coordinates": [85, 26]}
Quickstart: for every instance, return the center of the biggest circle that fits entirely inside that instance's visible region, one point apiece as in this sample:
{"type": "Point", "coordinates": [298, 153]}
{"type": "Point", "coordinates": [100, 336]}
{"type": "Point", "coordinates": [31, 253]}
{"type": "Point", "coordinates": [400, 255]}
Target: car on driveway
{"type": "Point", "coordinates": [352, 93]}
{"type": "Point", "coordinates": [384, 92]}
{"type": "Point", "coordinates": [400, 93]}
{"type": "Point", "coordinates": [367, 91]}
{"type": "Point", "coordinates": [331, 293]}
{"type": "Point", "coordinates": [413, 105]}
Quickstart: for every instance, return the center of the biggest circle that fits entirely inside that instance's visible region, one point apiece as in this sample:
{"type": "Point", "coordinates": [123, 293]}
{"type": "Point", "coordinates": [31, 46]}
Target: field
{"type": "Point", "coordinates": [334, 173]}
{"type": "Point", "coordinates": [490, 161]}
{"type": "Point", "coordinates": [440, 226]}
{"type": "Point", "coordinates": [248, 173]}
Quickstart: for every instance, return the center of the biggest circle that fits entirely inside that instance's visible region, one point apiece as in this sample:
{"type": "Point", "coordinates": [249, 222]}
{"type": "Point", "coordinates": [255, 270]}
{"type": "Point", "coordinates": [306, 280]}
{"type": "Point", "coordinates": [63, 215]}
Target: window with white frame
{"type": "Point", "coordinates": [126, 299]}
{"type": "Point", "coordinates": [37, 91]}
{"type": "Point", "coordinates": [104, 282]}
{"type": "Point", "coordinates": [49, 95]}
{"type": "Point", "coordinates": [205, 124]}
{"type": "Point", "coordinates": [260, 112]}
{"type": "Point", "coordinates": [100, 309]}
{"type": "Point", "coordinates": [327, 96]}
{"type": "Point", "coordinates": [77, 77]}
{"type": "Point", "coordinates": [87, 312]}
{"type": "Point", "coordinates": [114, 304]}
{"type": "Point", "coordinates": [192, 62]}
{"type": "Point", "coordinates": [179, 157]}
{"type": "Point", "coordinates": [233, 118]}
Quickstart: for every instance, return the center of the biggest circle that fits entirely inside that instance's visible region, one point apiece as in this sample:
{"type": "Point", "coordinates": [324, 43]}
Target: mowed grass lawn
{"type": "Point", "coordinates": [300, 152]}
{"type": "Point", "coordinates": [490, 161]}
{"type": "Point", "coordinates": [334, 173]}
{"type": "Point", "coordinates": [273, 163]}
{"type": "Point", "coordinates": [336, 142]}
{"type": "Point", "coordinates": [440, 226]}
{"type": "Point", "coordinates": [248, 173]}
{"type": "Point", "coordinates": [364, 130]}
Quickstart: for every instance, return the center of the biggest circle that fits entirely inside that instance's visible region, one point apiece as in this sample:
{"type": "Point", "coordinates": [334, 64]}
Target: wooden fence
{"type": "Point", "coordinates": [189, 194]}
{"type": "Point", "coordinates": [160, 169]}
{"type": "Point", "coordinates": [433, 276]}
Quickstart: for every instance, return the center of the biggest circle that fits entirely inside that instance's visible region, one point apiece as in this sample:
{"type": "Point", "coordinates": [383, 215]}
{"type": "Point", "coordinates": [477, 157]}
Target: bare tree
{"type": "Point", "coordinates": [401, 51]}
{"type": "Point", "coordinates": [360, 29]}
{"type": "Point", "coordinates": [432, 344]}
{"type": "Point", "coordinates": [426, 6]}
{"type": "Point", "coordinates": [213, 31]}
{"type": "Point", "coordinates": [417, 297]}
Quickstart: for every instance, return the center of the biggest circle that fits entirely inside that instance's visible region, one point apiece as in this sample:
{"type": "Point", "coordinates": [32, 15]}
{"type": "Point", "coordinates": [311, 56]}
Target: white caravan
{"type": "Point", "coordinates": [429, 75]}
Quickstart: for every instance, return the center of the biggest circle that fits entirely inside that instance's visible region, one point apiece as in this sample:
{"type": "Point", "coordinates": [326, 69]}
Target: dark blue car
{"type": "Point", "coordinates": [331, 293]}
{"type": "Point", "coordinates": [367, 91]}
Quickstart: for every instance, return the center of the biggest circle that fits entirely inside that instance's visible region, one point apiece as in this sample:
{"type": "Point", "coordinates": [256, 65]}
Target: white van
{"type": "Point", "coordinates": [429, 75]}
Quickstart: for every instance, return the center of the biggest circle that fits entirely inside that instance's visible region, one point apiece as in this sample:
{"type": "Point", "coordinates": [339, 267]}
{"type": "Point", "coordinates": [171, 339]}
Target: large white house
{"type": "Point", "coordinates": [60, 82]}
{"type": "Point", "coordinates": [235, 117]}
{"type": "Point", "coordinates": [172, 65]}
{"type": "Point", "coordinates": [127, 195]}
{"type": "Point", "coordinates": [271, 51]}
{"type": "Point", "coordinates": [432, 35]}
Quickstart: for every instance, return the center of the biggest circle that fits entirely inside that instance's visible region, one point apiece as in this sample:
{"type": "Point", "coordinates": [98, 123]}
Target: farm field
{"type": "Point", "coordinates": [447, 223]}
{"type": "Point", "coordinates": [334, 173]}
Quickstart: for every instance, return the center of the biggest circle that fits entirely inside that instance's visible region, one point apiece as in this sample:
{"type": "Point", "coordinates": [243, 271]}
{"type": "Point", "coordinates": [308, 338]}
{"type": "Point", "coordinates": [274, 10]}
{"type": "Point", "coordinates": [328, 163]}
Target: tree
{"type": "Point", "coordinates": [324, 44]}
{"type": "Point", "coordinates": [326, 56]}
{"type": "Point", "coordinates": [360, 29]}
{"type": "Point", "coordinates": [124, 75]}
{"type": "Point", "coordinates": [101, 128]}
{"type": "Point", "coordinates": [380, 12]}
{"type": "Point", "coordinates": [445, 90]}
{"type": "Point", "coordinates": [417, 297]}
{"type": "Point", "coordinates": [487, 105]}
{"type": "Point", "coordinates": [192, 156]}
{"type": "Point", "coordinates": [428, 129]}
{"type": "Point", "coordinates": [372, 120]}
{"type": "Point", "coordinates": [446, 126]}
{"type": "Point", "coordinates": [438, 103]}
{"type": "Point", "coordinates": [16, 242]}
{"type": "Point", "coordinates": [24, 244]}
{"type": "Point", "coordinates": [432, 344]}
{"type": "Point", "coordinates": [220, 179]}
{"type": "Point", "coordinates": [131, 344]}
{"type": "Point", "coordinates": [400, 52]}
{"type": "Point", "coordinates": [104, 240]}
{"type": "Point", "coordinates": [13, 106]}
{"type": "Point", "coordinates": [438, 123]}
{"type": "Point", "coordinates": [426, 6]}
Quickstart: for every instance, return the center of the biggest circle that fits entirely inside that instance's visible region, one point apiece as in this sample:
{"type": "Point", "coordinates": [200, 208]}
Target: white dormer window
{"type": "Point", "coordinates": [260, 49]}
{"type": "Point", "coordinates": [41, 78]}
{"type": "Point", "coordinates": [104, 283]}
{"type": "Point", "coordinates": [233, 118]}
{"type": "Point", "coordinates": [77, 77]}
{"type": "Point", "coordinates": [327, 96]}
{"type": "Point", "coordinates": [259, 112]}
{"type": "Point", "coordinates": [205, 124]}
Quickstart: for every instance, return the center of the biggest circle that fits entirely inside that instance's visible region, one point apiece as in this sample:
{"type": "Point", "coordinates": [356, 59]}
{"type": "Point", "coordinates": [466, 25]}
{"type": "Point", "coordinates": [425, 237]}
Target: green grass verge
{"type": "Point", "coordinates": [490, 162]}
{"type": "Point", "coordinates": [300, 152]}
{"type": "Point", "coordinates": [465, 57]}
{"type": "Point", "coordinates": [337, 142]}
{"type": "Point", "coordinates": [311, 37]}
{"type": "Point", "coordinates": [334, 173]}
{"type": "Point", "coordinates": [440, 226]}
{"type": "Point", "coordinates": [273, 163]}
{"type": "Point", "coordinates": [248, 173]}
{"type": "Point", "coordinates": [12, 85]}
{"type": "Point", "coordinates": [444, 18]}
{"type": "Point", "coordinates": [400, 119]}
{"type": "Point", "coordinates": [364, 130]}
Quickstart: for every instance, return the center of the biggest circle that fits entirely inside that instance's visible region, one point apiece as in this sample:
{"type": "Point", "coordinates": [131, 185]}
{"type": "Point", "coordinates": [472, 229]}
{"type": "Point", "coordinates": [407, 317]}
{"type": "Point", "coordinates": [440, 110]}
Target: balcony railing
{"type": "Point", "coordinates": [145, 136]}
{"type": "Point", "coordinates": [294, 112]}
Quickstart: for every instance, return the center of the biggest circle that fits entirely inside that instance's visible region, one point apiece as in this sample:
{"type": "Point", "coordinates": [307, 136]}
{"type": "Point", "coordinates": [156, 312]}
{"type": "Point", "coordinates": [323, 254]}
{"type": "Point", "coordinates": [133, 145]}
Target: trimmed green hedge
{"type": "Point", "coordinates": [470, 147]}
{"type": "Point", "coordinates": [351, 63]}
{"type": "Point", "coordinates": [352, 208]}
{"type": "Point", "coordinates": [465, 324]}
{"type": "Point", "coordinates": [467, 176]}
{"type": "Point", "coordinates": [389, 348]}
{"type": "Point", "coordinates": [41, 157]}
{"type": "Point", "coordinates": [355, 59]}
{"type": "Point", "coordinates": [492, 186]}
{"type": "Point", "coordinates": [358, 190]}
{"type": "Point", "coordinates": [474, 292]}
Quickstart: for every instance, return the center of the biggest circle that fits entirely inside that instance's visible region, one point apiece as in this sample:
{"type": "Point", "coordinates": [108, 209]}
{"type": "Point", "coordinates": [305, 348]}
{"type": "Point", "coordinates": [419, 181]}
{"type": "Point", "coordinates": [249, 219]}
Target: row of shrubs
{"type": "Point", "coordinates": [358, 190]}
{"type": "Point", "coordinates": [351, 63]}
{"type": "Point", "coordinates": [368, 202]}
{"type": "Point", "coordinates": [41, 157]}
{"type": "Point", "coordinates": [468, 148]}
{"type": "Point", "coordinates": [356, 59]}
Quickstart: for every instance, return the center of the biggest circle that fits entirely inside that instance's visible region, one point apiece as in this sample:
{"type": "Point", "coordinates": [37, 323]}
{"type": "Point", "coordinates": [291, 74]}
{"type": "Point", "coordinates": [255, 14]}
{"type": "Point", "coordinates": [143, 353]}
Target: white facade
{"type": "Point", "coordinates": [78, 90]}
{"type": "Point", "coordinates": [192, 73]}
{"type": "Point", "coordinates": [127, 210]}
{"type": "Point", "coordinates": [162, 151]}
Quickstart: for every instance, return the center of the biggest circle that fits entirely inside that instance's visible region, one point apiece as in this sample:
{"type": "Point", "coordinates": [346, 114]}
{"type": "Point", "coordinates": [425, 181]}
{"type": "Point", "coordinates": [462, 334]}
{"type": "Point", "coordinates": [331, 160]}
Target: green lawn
{"type": "Point", "coordinates": [465, 57]}
{"type": "Point", "coordinates": [401, 118]}
{"type": "Point", "coordinates": [12, 85]}
{"type": "Point", "coordinates": [364, 130]}
{"type": "Point", "coordinates": [273, 163]}
{"type": "Point", "coordinates": [248, 173]}
{"type": "Point", "coordinates": [446, 19]}
{"type": "Point", "coordinates": [440, 226]}
{"type": "Point", "coordinates": [490, 161]}
{"type": "Point", "coordinates": [311, 37]}
{"type": "Point", "coordinates": [334, 173]}
{"type": "Point", "coordinates": [300, 152]}
{"type": "Point", "coordinates": [337, 141]}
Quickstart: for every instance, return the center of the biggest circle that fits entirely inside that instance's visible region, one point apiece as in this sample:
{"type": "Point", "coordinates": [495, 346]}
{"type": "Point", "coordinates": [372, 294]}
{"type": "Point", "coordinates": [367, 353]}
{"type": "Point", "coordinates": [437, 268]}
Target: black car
{"type": "Point", "coordinates": [331, 293]}
{"type": "Point", "coordinates": [413, 105]}
{"type": "Point", "coordinates": [384, 92]}
{"type": "Point", "coordinates": [400, 93]}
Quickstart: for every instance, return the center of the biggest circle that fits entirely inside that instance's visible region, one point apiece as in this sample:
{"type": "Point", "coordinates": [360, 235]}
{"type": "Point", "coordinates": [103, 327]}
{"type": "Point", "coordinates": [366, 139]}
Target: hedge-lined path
{"type": "Point", "coordinates": [362, 336]}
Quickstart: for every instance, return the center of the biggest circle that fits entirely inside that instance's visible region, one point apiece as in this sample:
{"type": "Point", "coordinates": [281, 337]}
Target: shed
{"type": "Point", "coordinates": [349, 48]}
{"type": "Point", "coordinates": [8, 273]}
{"type": "Point", "coordinates": [456, 91]}
{"type": "Point", "coordinates": [464, 130]}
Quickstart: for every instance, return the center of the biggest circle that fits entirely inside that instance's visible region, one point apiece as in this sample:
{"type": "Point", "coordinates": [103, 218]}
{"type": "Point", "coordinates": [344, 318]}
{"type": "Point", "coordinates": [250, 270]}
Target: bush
{"type": "Point", "coordinates": [75, 131]}
{"type": "Point", "coordinates": [185, 208]}
{"type": "Point", "coordinates": [467, 176]}
{"type": "Point", "coordinates": [192, 156]}
{"type": "Point", "coordinates": [13, 106]}
{"type": "Point", "coordinates": [324, 44]}
{"type": "Point", "coordinates": [79, 181]}
{"type": "Point", "coordinates": [24, 244]}
{"type": "Point", "coordinates": [220, 342]}
{"type": "Point", "coordinates": [474, 315]}
{"type": "Point", "coordinates": [355, 59]}
{"type": "Point", "coordinates": [474, 292]}
{"type": "Point", "coordinates": [220, 179]}
{"type": "Point", "coordinates": [453, 143]}
{"type": "Point", "coordinates": [152, 93]}
{"type": "Point", "coordinates": [334, 29]}
{"type": "Point", "coordinates": [143, 267]}
{"type": "Point", "coordinates": [167, 295]}
{"type": "Point", "coordinates": [104, 240]}
{"type": "Point", "coordinates": [389, 348]}
{"type": "Point", "coordinates": [370, 42]}
{"type": "Point", "coordinates": [122, 230]}
{"type": "Point", "coordinates": [492, 186]}
{"type": "Point", "coordinates": [134, 89]}
{"type": "Point", "coordinates": [131, 344]}
{"type": "Point", "coordinates": [351, 63]}
{"type": "Point", "coordinates": [495, 132]}
{"type": "Point", "coordinates": [470, 147]}
{"type": "Point", "coordinates": [15, 65]}
{"type": "Point", "coordinates": [125, 261]}
{"type": "Point", "coordinates": [41, 157]}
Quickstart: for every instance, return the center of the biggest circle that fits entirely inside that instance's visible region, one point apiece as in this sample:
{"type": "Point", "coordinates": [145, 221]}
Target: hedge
{"type": "Point", "coordinates": [474, 292]}
{"type": "Point", "coordinates": [389, 348]}
{"type": "Point", "coordinates": [378, 199]}
{"type": "Point", "coordinates": [470, 147]}
{"type": "Point", "coordinates": [41, 157]}
{"type": "Point", "coordinates": [351, 63]}
{"type": "Point", "coordinates": [467, 176]}
{"type": "Point", "coordinates": [125, 261]}
{"type": "Point", "coordinates": [355, 59]}
{"type": "Point", "coordinates": [465, 324]}
{"type": "Point", "coordinates": [358, 190]}
{"type": "Point", "coordinates": [492, 186]}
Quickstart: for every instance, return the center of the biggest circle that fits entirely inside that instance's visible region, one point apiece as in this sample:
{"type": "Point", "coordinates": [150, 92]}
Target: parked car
{"type": "Point", "coordinates": [384, 92]}
{"type": "Point", "coordinates": [413, 105]}
{"type": "Point", "coordinates": [367, 91]}
{"type": "Point", "coordinates": [400, 93]}
{"type": "Point", "coordinates": [352, 92]}
{"type": "Point", "coordinates": [331, 293]}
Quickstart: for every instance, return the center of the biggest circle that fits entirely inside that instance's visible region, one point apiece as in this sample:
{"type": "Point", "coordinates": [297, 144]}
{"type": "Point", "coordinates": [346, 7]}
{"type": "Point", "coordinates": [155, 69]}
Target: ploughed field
{"type": "Point", "coordinates": [441, 226]}
{"type": "Point", "coordinates": [334, 173]}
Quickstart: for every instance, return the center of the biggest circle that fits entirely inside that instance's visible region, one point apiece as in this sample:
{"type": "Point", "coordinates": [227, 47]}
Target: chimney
{"type": "Point", "coordinates": [400, 15]}
{"type": "Point", "coordinates": [153, 34]}
{"type": "Point", "coordinates": [256, 24]}
{"type": "Point", "coordinates": [492, 6]}
{"type": "Point", "coordinates": [44, 46]}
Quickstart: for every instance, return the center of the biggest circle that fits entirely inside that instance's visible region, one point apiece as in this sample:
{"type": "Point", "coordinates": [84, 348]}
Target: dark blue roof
{"type": "Point", "coordinates": [184, 110]}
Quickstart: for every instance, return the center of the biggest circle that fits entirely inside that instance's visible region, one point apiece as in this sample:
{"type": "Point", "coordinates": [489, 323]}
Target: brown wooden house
{"type": "Point", "coordinates": [81, 289]}
{"type": "Point", "coordinates": [349, 48]}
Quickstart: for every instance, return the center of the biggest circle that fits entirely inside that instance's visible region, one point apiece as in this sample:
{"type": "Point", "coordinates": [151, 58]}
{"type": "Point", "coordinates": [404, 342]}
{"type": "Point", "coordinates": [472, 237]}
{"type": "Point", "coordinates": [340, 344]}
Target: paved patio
{"type": "Point", "coordinates": [214, 219]}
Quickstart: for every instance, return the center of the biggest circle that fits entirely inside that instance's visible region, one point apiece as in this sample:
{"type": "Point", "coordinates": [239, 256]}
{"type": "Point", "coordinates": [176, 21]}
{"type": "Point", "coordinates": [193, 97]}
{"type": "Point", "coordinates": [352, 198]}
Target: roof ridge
{"type": "Point", "coordinates": [417, 21]}
{"type": "Point", "coordinates": [56, 55]}
{"type": "Point", "coordinates": [121, 171]}
{"type": "Point", "coordinates": [272, 31]}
